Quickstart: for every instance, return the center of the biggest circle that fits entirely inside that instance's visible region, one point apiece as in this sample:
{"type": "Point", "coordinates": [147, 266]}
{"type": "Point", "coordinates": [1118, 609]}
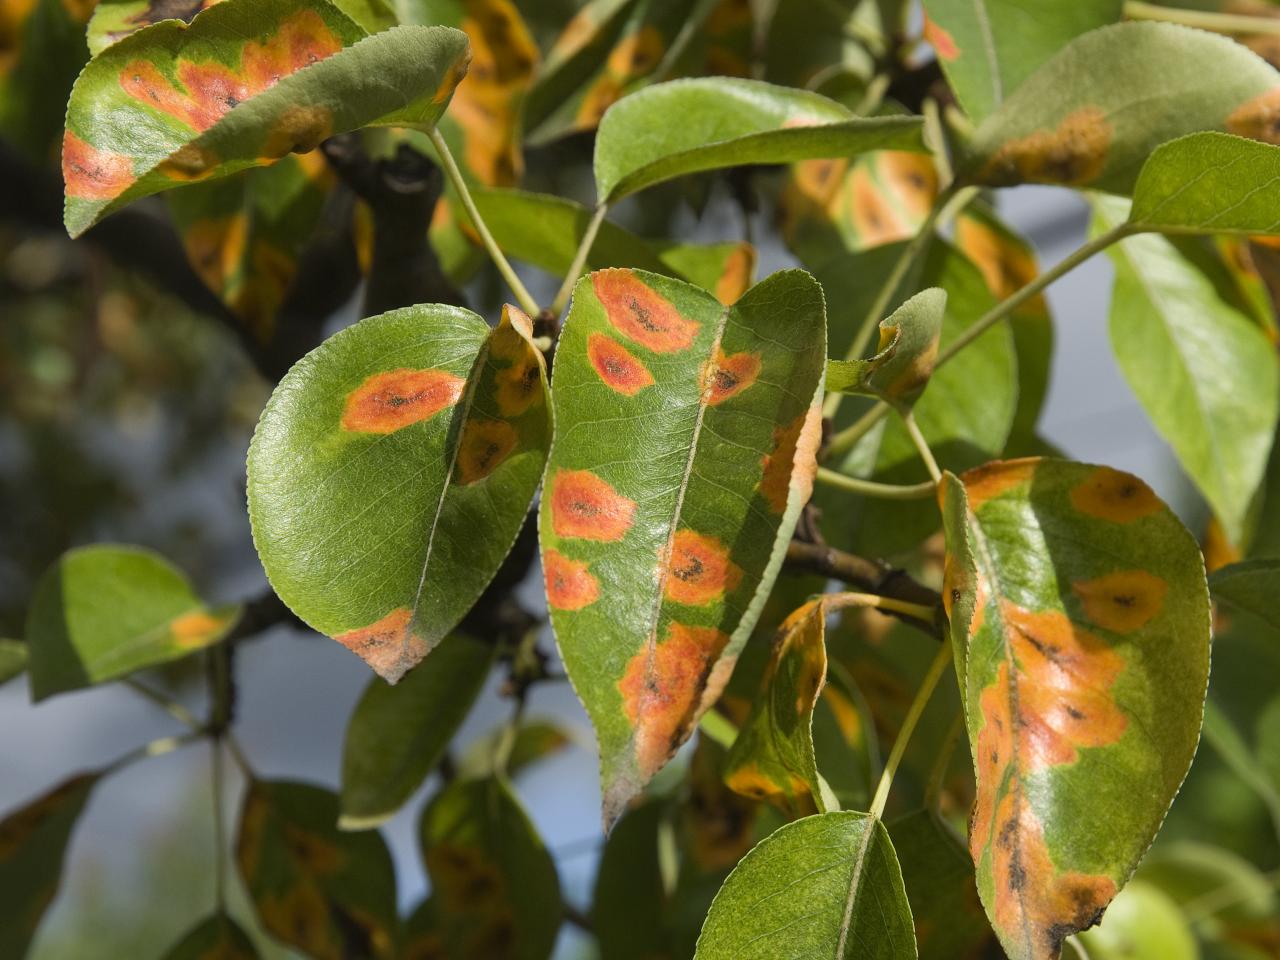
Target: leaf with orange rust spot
{"type": "Point", "coordinates": [42, 48]}
{"type": "Point", "coordinates": [246, 83]}
{"type": "Point", "coordinates": [103, 612]}
{"type": "Point", "coordinates": [667, 508]}
{"type": "Point", "coordinates": [33, 846]}
{"type": "Point", "coordinates": [1093, 113]}
{"type": "Point", "coordinates": [900, 371]}
{"type": "Point", "coordinates": [773, 757]}
{"type": "Point", "coordinates": [322, 891]}
{"type": "Point", "coordinates": [1080, 620]}
{"type": "Point", "coordinates": [392, 470]}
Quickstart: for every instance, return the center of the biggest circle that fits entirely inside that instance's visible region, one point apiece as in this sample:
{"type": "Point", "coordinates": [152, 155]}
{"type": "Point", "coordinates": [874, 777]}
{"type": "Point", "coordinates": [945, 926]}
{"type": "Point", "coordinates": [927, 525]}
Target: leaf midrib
{"type": "Point", "coordinates": [855, 881]}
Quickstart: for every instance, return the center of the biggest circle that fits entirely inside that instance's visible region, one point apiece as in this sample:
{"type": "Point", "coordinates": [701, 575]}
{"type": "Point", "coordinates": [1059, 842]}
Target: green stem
{"type": "Point", "coordinates": [870, 488]}
{"type": "Point", "coordinates": [156, 748]}
{"type": "Point", "coordinates": [922, 446]}
{"type": "Point", "coordinates": [839, 601]}
{"type": "Point", "coordinates": [219, 826]}
{"type": "Point", "coordinates": [845, 439]}
{"type": "Point", "coordinates": [1206, 20]}
{"type": "Point", "coordinates": [938, 775]}
{"type": "Point", "coordinates": [171, 707]}
{"type": "Point", "coordinates": [940, 663]}
{"type": "Point", "coordinates": [527, 303]}
{"type": "Point", "coordinates": [579, 261]}
{"type": "Point", "coordinates": [719, 728]}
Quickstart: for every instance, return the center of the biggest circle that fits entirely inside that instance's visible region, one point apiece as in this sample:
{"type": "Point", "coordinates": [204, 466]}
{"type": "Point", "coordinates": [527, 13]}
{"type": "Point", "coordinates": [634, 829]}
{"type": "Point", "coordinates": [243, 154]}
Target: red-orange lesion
{"type": "Point", "coordinates": [735, 277]}
{"type": "Point", "coordinates": [874, 219]}
{"type": "Point", "coordinates": [993, 480]}
{"type": "Point", "coordinates": [944, 45]}
{"type": "Point", "coordinates": [205, 91]}
{"type": "Point", "coordinates": [617, 366]}
{"type": "Point", "coordinates": [395, 399]}
{"type": "Point", "coordinates": [586, 506]}
{"type": "Point", "coordinates": [195, 629]}
{"type": "Point", "coordinates": [793, 462]}
{"type": "Point", "coordinates": [485, 445]}
{"type": "Point", "coordinates": [727, 375]}
{"type": "Point", "coordinates": [1075, 152]}
{"type": "Point", "coordinates": [388, 645]}
{"type": "Point", "coordinates": [1258, 118]}
{"type": "Point", "coordinates": [93, 174]}
{"type": "Point", "coordinates": [1124, 601]}
{"type": "Point", "coordinates": [699, 570]}
{"type": "Point", "coordinates": [1109, 494]}
{"type": "Point", "coordinates": [662, 690]}
{"type": "Point", "coordinates": [911, 177]}
{"type": "Point", "coordinates": [642, 314]}
{"type": "Point", "coordinates": [570, 583]}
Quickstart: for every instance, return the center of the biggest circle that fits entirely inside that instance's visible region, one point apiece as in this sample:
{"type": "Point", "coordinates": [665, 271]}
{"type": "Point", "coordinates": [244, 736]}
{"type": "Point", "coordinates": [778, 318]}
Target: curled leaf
{"type": "Point", "coordinates": [908, 350]}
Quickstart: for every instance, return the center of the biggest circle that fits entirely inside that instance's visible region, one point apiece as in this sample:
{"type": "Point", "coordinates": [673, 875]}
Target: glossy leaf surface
{"type": "Point", "coordinates": [390, 474]}
{"type": "Point", "coordinates": [827, 886]}
{"type": "Point", "coordinates": [773, 756]}
{"type": "Point", "coordinates": [217, 938]}
{"type": "Point", "coordinates": [326, 893]}
{"type": "Point", "coordinates": [1211, 183]}
{"type": "Point", "coordinates": [1252, 586]}
{"type": "Point", "coordinates": [1201, 368]}
{"type": "Point", "coordinates": [398, 734]}
{"type": "Point", "coordinates": [908, 350]}
{"type": "Point", "coordinates": [33, 846]}
{"type": "Point", "coordinates": [727, 122]}
{"type": "Point", "coordinates": [102, 612]}
{"type": "Point", "coordinates": [244, 85]}
{"type": "Point", "coordinates": [685, 447]}
{"type": "Point", "coordinates": [1143, 924]}
{"type": "Point", "coordinates": [494, 883]}
{"type": "Point", "coordinates": [987, 48]}
{"type": "Point", "coordinates": [1078, 606]}
{"type": "Point", "coordinates": [1093, 114]}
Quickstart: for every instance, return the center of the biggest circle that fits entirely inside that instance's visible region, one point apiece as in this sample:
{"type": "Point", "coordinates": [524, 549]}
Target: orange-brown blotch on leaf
{"type": "Point", "coordinates": [394, 399]}
{"type": "Point", "coordinates": [911, 177]}
{"type": "Point", "coordinates": [794, 461]}
{"type": "Point", "coordinates": [699, 570]}
{"type": "Point", "coordinates": [727, 376]}
{"type": "Point", "coordinates": [1258, 118]}
{"type": "Point", "coordinates": [874, 219]}
{"type": "Point", "coordinates": [388, 645]}
{"type": "Point", "coordinates": [642, 314]}
{"type": "Point", "coordinates": [570, 584]}
{"type": "Point", "coordinates": [587, 507]}
{"type": "Point", "coordinates": [485, 444]}
{"type": "Point", "coordinates": [195, 629]}
{"type": "Point", "coordinates": [662, 690]}
{"type": "Point", "coordinates": [93, 174]}
{"type": "Point", "coordinates": [735, 278]}
{"type": "Point", "coordinates": [1074, 153]}
{"type": "Point", "coordinates": [993, 480]}
{"type": "Point", "coordinates": [941, 41]}
{"type": "Point", "coordinates": [1124, 601]}
{"type": "Point", "coordinates": [1108, 494]}
{"type": "Point", "coordinates": [617, 366]}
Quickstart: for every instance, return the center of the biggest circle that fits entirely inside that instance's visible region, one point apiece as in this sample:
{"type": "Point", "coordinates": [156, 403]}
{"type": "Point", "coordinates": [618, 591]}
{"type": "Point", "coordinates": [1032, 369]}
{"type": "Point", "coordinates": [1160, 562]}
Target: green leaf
{"type": "Point", "coordinates": [1078, 601]}
{"type": "Point", "coordinates": [987, 48]}
{"type": "Point", "coordinates": [1093, 113]}
{"type": "Point", "coordinates": [727, 122]}
{"type": "Point", "coordinates": [773, 756]}
{"type": "Point", "coordinates": [845, 741]}
{"type": "Point", "coordinates": [685, 447]}
{"type": "Point", "coordinates": [629, 902]}
{"type": "Point", "coordinates": [827, 885]}
{"type": "Point", "coordinates": [908, 349]}
{"type": "Point", "coordinates": [390, 474]}
{"type": "Point", "coordinates": [1221, 734]}
{"type": "Point", "coordinates": [535, 741]}
{"type": "Point", "coordinates": [398, 734]}
{"type": "Point", "coordinates": [217, 938]}
{"type": "Point", "coordinates": [1209, 183]}
{"type": "Point", "coordinates": [1142, 924]}
{"type": "Point", "coordinates": [422, 932]}
{"type": "Point", "coordinates": [14, 655]}
{"type": "Point", "coordinates": [493, 882]}
{"type": "Point", "coordinates": [33, 846]}
{"type": "Point", "coordinates": [247, 83]}
{"type": "Point", "coordinates": [1203, 371]}
{"type": "Point", "coordinates": [938, 874]}
{"type": "Point", "coordinates": [104, 611]}
{"type": "Point", "coordinates": [1229, 891]}
{"type": "Point", "coordinates": [44, 49]}
{"type": "Point", "coordinates": [1252, 586]}
{"type": "Point", "coordinates": [321, 891]}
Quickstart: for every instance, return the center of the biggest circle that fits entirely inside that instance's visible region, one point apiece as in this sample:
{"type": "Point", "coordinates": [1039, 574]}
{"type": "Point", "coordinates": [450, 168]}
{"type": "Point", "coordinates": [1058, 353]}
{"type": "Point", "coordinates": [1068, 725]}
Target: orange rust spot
{"type": "Point", "coordinates": [300, 129]}
{"type": "Point", "coordinates": [189, 163]}
{"type": "Point", "coordinates": [942, 42]}
{"type": "Point", "coordinates": [699, 571]}
{"type": "Point", "coordinates": [299, 915]}
{"type": "Point", "coordinates": [1074, 153]}
{"type": "Point", "coordinates": [735, 278]}
{"type": "Point", "coordinates": [570, 584]}
{"type": "Point", "coordinates": [389, 646]}
{"type": "Point", "coordinates": [641, 314]}
{"type": "Point", "coordinates": [873, 218]}
{"type": "Point", "coordinates": [794, 461]}
{"type": "Point", "coordinates": [616, 365]}
{"type": "Point", "coordinates": [637, 55]}
{"type": "Point", "coordinates": [662, 689]}
{"type": "Point", "coordinates": [519, 386]}
{"type": "Point", "coordinates": [1033, 901]}
{"type": "Point", "coordinates": [845, 713]}
{"type": "Point", "coordinates": [1111, 495]}
{"type": "Point", "coordinates": [587, 507]}
{"type": "Point", "coordinates": [996, 479]}
{"type": "Point", "coordinates": [485, 444]}
{"type": "Point", "coordinates": [394, 399]}
{"type": "Point", "coordinates": [727, 376]}
{"type": "Point", "coordinates": [456, 73]}
{"type": "Point", "coordinates": [93, 174]}
{"type": "Point", "coordinates": [600, 96]}
{"type": "Point", "coordinates": [1258, 118]}
{"type": "Point", "coordinates": [1123, 601]}
{"type": "Point", "coordinates": [195, 629]}
{"type": "Point", "coordinates": [911, 177]}
{"type": "Point", "coordinates": [1218, 549]}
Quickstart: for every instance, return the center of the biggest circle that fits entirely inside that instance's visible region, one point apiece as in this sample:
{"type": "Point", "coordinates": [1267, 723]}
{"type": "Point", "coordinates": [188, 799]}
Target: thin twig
{"type": "Point", "coordinates": [922, 446]}
{"type": "Point", "coordinates": [579, 261]}
{"type": "Point", "coordinates": [172, 707]}
{"type": "Point", "coordinates": [1232, 23]}
{"type": "Point", "coordinates": [870, 488]}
